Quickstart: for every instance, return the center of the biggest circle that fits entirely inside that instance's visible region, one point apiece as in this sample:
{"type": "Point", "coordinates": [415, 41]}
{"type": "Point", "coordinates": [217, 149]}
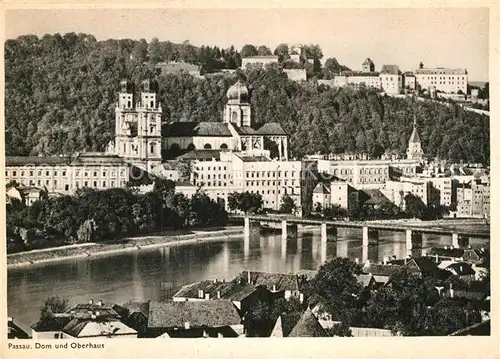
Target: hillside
{"type": "Point", "coordinates": [61, 90]}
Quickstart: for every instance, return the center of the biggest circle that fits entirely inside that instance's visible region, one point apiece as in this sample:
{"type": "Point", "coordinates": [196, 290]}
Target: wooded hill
{"type": "Point", "coordinates": [61, 91]}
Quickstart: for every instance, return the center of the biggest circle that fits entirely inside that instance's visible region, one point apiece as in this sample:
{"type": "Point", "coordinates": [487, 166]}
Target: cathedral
{"type": "Point", "coordinates": [141, 137]}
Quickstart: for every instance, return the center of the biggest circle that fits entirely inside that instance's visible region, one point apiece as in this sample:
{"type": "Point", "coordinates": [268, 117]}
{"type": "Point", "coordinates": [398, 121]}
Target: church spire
{"type": "Point", "coordinates": [414, 135]}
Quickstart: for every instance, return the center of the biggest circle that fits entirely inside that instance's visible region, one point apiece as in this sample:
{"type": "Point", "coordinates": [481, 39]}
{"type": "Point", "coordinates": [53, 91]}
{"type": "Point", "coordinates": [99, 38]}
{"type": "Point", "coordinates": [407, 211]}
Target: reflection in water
{"type": "Point", "coordinates": [137, 275]}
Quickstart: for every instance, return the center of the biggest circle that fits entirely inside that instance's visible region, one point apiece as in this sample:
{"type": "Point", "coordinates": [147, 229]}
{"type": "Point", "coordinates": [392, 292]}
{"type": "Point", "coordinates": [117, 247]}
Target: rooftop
{"type": "Point", "coordinates": [208, 313]}
{"type": "Point", "coordinates": [384, 270]}
{"type": "Point", "coordinates": [390, 69]}
{"type": "Point", "coordinates": [279, 281]}
{"type": "Point", "coordinates": [94, 328]}
{"type": "Point", "coordinates": [308, 326]}
{"type": "Point", "coordinates": [204, 155]}
{"type": "Point", "coordinates": [271, 128]}
{"type": "Point", "coordinates": [188, 129]}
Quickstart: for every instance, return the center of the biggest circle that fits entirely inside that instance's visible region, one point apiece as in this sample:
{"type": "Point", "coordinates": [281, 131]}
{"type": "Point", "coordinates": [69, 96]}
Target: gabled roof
{"type": "Point", "coordinates": [245, 130]}
{"type": "Point", "coordinates": [272, 129]}
{"type": "Point", "coordinates": [282, 282]}
{"type": "Point", "coordinates": [367, 61]}
{"type": "Point", "coordinates": [51, 323]}
{"type": "Point", "coordinates": [88, 159]}
{"type": "Point", "coordinates": [14, 331]}
{"type": "Point", "coordinates": [285, 324]}
{"type": "Point", "coordinates": [365, 279]}
{"type": "Point", "coordinates": [308, 326]}
{"type": "Point", "coordinates": [201, 155]}
{"type": "Point", "coordinates": [94, 328]}
{"type": "Point", "coordinates": [390, 69]}
{"type": "Point", "coordinates": [322, 188]}
{"type": "Point", "coordinates": [382, 270]}
{"type": "Point", "coordinates": [424, 264]}
{"type": "Point", "coordinates": [376, 197]}
{"type": "Point", "coordinates": [191, 129]}
{"type": "Point", "coordinates": [447, 252]}
{"type": "Point", "coordinates": [207, 313]}
{"type": "Point", "coordinates": [11, 161]}
{"type": "Point", "coordinates": [461, 268]}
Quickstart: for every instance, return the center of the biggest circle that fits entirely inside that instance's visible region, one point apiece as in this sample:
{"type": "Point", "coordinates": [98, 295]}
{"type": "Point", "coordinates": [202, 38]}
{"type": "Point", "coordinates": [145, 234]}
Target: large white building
{"type": "Point", "coordinates": [65, 175]}
{"type": "Point", "coordinates": [442, 79]}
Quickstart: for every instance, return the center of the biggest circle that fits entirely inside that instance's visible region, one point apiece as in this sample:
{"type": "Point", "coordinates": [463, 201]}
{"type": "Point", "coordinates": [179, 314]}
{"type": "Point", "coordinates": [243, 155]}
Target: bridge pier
{"type": "Point", "coordinates": [326, 230]}
{"type": "Point", "coordinates": [369, 233]}
{"type": "Point", "coordinates": [323, 251]}
{"type": "Point", "coordinates": [459, 240]}
{"type": "Point", "coordinates": [413, 240]}
{"type": "Point", "coordinates": [251, 228]}
{"type": "Point", "coordinates": [288, 230]}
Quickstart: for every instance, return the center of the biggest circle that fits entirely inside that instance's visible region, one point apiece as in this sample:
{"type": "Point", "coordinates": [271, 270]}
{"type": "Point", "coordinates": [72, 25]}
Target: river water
{"type": "Point", "coordinates": [137, 275]}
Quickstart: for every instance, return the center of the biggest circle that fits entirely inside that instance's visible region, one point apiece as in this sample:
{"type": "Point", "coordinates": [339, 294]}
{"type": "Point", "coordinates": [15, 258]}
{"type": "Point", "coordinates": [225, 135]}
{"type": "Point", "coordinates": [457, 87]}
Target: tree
{"type": "Point", "coordinates": [249, 50]}
{"type": "Point", "coordinates": [282, 52]}
{"type": "Point", "coordinates": [335, 286]}
{"type": "Point", "coordinates": [53, 305]}
{"type": "Point", "coordinates": [414, 206]}
{"type": "Point", "coordinates": [264, 51]}
{"type": "Point", "coordinates": [334, 211]}
{"type": "Point", "coordinates": [287, 204]}
{"type": "Point", "coordinates": [245, 201]}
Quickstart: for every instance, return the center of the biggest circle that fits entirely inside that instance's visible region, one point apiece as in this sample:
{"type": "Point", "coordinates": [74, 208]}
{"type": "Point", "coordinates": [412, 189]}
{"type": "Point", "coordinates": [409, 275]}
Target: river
{"type": "Point", "coordinates": [137, 275]}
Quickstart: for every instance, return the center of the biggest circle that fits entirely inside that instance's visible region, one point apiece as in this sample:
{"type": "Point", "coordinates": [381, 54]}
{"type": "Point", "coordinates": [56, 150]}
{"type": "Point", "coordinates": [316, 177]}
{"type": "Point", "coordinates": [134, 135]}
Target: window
{"type": "Point", "coordinates": [6, 173]}
{"type": "Point", "coordinates": [14, 173]}
{"type": "Point", "coordinates": [86, 174]}
{"type": "Point", "coordinates": [47, 173]}
{"type": "Point", "coordinates": [86, 183]}
{"type": "Point", "coordinates": [77, 173]}
{"type": "Point", "coordinates": [104, 173]}
{"type": "Point", "coordinates": [39, 182]}
{"type": "Point", "coordinates": [66, 187]}
{"type": "Point", "coordinates": [104, 183]}
{"type": "Point", "coordinates": [55, 183]}
{"type": "Point", "coordinates": [95, 173]}
{"type": "Point", "coordinates": [55, 173]}
{"type": "Point", "coordinates": [64, 173]}
{"type": "Point", "coordinates": [22, 173]}
{"type": "Point", "coordinates": [112, 183]}
{"type": "Point", "coordinates": [47, 182]}
{"type": "Point", "coordinates": [95, 183]}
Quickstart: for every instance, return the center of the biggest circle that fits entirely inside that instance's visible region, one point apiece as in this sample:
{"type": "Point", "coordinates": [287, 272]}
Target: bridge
{"type": "Point", "coordinates": [370, 230]}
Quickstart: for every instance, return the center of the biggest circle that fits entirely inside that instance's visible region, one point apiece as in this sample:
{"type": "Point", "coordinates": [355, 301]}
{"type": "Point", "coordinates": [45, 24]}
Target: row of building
{"type": "Point", "coordinates": [389, 79]}
{"type": "Point", "coordinates": [235, 155]}
{"type": "Point", "coordinates": [217, 308]}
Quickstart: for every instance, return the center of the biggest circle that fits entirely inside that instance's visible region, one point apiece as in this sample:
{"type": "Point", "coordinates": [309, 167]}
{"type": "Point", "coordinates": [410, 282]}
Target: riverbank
{"type": "Point", "coordinates": [124, 245]}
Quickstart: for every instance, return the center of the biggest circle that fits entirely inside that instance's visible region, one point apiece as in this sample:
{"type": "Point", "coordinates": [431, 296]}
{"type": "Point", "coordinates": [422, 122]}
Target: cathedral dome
{"type": "Point", "coordinates": [238, 92]}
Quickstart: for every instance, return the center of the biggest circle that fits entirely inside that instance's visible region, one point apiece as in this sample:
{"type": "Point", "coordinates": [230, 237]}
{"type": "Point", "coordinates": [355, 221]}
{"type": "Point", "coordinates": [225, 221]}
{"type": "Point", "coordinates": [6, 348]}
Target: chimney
{"type": "Point", "coordinates": [249, 278]}
{"type": "Point", "coordinates": [93, 316]}
{"type": "Point", "coordinates": [439, 289]}
{"type": "Point", "coordinates": [207, 296]}
{"type": "Point", "coordinates": [200, 293]}
{"type": "Point", "coordinates": [10, 319]}
{"type": "Point", "coordinates": [99, 303]}
{"type": "Point", "coordinates": [406, 258]}
{"type": "Point", "coordinates": [356, 261]}
{"type": "Point", "coordinates": [91, 301]}
{"type": "Point", "coordinates": [205, 335]}
{"type": "Point", "coordinates": [386, 259]}
{"type": "Point", "coordinates": [274, 287]}
{"type": "Point", "coordinates": [367, 263]}
{"type": "Point", "coordinates": [219, 335]}
{"type": "Point", "coordinates": [186, 325]}
{"type": "Point", "coordinates": [452, 294]}
{"type": "Point", "coordinates": [218, 294]}
{"type": "Point", "coordinates": [301, 298]}
{"type": "Point", "coordinates": [97, 313]}
{"type": "Point", "coordinates": [437, 258]}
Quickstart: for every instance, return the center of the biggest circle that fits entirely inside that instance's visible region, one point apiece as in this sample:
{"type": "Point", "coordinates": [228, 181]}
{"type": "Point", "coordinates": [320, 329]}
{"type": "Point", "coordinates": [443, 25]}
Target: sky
{"type": "Point", "coordinates": [446, 37]}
